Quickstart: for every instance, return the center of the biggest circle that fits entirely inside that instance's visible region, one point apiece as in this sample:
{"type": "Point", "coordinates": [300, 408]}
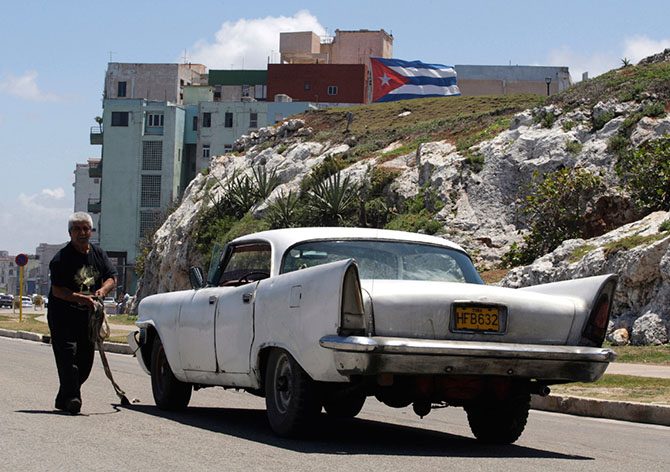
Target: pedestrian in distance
{"type": "Point", "coordinates": [80, 271]}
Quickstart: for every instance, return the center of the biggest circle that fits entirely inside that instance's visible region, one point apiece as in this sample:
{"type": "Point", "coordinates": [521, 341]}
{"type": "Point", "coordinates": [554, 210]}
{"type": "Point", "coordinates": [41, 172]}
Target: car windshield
{"type": "Point", "coordinates": [392, 260]}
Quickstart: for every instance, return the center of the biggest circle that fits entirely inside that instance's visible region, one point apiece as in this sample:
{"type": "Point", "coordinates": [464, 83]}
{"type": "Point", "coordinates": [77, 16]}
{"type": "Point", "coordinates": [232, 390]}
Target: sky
{"type": "Point", "coordinates": [55, 55]}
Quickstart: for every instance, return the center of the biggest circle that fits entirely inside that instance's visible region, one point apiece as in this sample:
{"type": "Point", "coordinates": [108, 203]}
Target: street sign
{"type": "Point", "coordinates": [21, 260]}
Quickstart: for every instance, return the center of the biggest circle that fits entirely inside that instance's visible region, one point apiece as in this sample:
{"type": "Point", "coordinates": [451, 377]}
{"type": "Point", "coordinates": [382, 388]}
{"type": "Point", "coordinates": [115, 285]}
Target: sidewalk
{"type": "Point", "coordinates": [624, 411]}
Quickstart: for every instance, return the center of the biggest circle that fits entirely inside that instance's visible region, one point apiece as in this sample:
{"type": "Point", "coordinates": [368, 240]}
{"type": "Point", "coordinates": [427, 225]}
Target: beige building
{"type": "Point", "coordinates": [154, 82]}
{"type": "Point", "coordinates": [509, 80]}
{"type": "Point", "coordinates": [346, 47]}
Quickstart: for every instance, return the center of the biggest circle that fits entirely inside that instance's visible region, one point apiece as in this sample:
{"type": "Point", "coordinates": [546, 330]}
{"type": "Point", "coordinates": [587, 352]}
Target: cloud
{"type": "Point", "coordinates": [56, 193]}
{"type": "Point", "coordinates": [639, 47]}
{"type": "Point", "coordinates": [25, 87]}
{"type": "Point", "coordinates": [34, 219]}
{"type": "Point", "coordinates": [596, 63]}
{"type": "Point", "coordinates": [248, 43]}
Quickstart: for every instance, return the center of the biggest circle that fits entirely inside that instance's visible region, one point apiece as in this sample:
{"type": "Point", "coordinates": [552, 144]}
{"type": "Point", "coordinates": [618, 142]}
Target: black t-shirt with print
{"type": "Point", "coordinates": [79, 272]}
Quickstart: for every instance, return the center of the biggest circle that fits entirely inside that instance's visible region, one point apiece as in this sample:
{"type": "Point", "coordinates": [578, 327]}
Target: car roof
{"type": "Point", "coordinates": [282, 239]}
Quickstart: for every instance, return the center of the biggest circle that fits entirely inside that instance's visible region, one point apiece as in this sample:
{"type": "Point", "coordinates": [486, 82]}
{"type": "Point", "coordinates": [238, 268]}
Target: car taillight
{"type": "Point", "coordinates": [596, 326]}
{"type": "Point", "coordinates": [353, 313]}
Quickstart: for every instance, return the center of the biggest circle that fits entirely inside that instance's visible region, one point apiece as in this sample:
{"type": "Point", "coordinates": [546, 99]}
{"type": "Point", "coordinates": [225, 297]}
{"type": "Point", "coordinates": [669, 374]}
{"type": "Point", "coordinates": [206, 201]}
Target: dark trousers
{"type": "Point", "coordinates": [73, 352]}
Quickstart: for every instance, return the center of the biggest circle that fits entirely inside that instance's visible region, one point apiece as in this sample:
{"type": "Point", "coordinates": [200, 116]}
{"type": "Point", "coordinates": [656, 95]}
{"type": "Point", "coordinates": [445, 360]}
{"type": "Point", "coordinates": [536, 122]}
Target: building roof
{"type": "Point", "coordinates": [238, 77]}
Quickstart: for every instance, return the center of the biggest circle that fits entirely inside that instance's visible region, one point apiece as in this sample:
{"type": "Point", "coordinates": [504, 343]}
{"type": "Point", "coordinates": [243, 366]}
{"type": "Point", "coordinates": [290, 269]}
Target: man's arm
{"type": "Point", "coordinates": [107, 286]}
{"type": "Point", "coordinates": [68, 295]}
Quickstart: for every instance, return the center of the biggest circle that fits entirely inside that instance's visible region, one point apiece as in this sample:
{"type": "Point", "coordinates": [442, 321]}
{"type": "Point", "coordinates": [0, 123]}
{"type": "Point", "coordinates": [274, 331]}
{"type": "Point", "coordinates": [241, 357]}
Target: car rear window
{"type": "Point", "coordinates": [392, 260]}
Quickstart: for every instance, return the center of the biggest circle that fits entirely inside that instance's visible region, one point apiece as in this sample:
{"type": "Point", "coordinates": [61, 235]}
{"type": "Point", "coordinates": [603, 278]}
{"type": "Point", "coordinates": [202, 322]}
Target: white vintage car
{"type": "Point", "coordinates": [316, 318]}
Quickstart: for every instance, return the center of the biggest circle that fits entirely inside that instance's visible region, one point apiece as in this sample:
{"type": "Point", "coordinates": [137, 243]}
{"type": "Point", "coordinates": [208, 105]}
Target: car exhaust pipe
{"type": "Point", "coordinates": [540, 389]}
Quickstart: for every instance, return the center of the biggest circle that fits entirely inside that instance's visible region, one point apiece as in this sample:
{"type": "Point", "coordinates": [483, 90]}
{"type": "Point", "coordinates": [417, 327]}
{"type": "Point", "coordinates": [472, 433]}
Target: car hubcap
{"type": "Point", "coordinates": [283, 384]}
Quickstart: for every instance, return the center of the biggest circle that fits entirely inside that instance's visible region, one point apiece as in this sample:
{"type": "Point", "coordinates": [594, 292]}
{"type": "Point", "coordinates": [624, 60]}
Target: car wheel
{"type": "Point", "coordinates": [169, 392]}
{"type": "Point", "coordinates": [499, 422]}
{"type": "Point", "coordinates": [344, 406]}
{"type": "Point", "coordinates": [290, 395]}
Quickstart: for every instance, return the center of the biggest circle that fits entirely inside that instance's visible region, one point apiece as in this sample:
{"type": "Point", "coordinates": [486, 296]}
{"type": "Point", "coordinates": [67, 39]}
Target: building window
{"type": "Point", "coordinates": [332, 90]}
{"type": "Point", "coordinates": [152, 155]}
{"type": "Point", "coordinates": [205, 151]}
{"type": "Point", "coordinates": [227, 147]}
{"type": "Point", "coordinates": [253, 120]}
{"type": "Point", "coordinates": [155, 119]}
{"type": "Point", "coordinates": [120, 118]}
{"type": "Point", "coordinates": [308, 86]}
{"type": "Point", "coordinates": [96, 181]}
{"type": "Point", "coordinates": [148, 222]}
{"type": "Point", "coordinates": [150, 191]}
{"type": "Point", "coordinates": [207, 120]}
{"type": "Point", "coordinates": [195, 123]}
{"type": "Point", "coordinates": [245, 90]}
{"type": "Point", "coordinates": [121, 89]}
{"type": "Point", "coordinates": [228, 120]}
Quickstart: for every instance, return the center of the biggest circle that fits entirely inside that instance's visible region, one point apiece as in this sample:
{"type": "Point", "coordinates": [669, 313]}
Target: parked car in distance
{"type": "Point", "coordinates": [110, 305]}
{"type": "Point", "coordinates": [6, 300]}
{"type": "Point", "coordinates": [322, 318]}
{"type": "Point", "coordinates": [26, 302]}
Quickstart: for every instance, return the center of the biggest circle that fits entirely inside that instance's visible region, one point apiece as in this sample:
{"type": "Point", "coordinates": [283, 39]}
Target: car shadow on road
{"type": "Point", "coordinates": [355, 436]}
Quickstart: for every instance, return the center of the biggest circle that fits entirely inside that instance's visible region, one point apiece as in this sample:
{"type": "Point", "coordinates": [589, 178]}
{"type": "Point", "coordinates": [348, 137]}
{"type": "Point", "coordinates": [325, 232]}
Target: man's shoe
{"type": "Point", "coordinates": [74, 406]}
{"type": "Point", "coordinates": [61, 404]}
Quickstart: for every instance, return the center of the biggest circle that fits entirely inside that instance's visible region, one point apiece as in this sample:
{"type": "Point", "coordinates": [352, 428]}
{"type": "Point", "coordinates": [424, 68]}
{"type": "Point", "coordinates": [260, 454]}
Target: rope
{"type": "Point", "coordinates": [98, 332]}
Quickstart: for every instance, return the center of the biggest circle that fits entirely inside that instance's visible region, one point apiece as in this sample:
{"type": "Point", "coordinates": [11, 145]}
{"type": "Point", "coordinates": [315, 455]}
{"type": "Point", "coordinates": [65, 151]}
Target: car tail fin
{"type": "Point", "coordinates": [352, 321]}
{"type": "Point", "coordinates": [596, 326]}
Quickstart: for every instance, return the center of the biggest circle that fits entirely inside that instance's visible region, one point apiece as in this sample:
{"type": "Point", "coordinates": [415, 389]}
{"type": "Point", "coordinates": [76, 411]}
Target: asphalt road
{"type": "Point", "coordinates": [227, 431]}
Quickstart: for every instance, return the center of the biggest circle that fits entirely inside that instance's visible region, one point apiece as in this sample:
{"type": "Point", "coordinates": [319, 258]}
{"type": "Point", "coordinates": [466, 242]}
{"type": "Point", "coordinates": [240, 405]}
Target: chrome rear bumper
{"type": "Point", "coordinates": [358, 355]}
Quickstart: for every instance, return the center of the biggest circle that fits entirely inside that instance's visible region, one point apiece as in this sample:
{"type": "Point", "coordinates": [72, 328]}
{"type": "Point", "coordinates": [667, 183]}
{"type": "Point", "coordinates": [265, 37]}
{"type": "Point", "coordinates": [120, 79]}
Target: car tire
{"type": "Point", "coordinates": [499, 422]}
{"type": "Point", "coordinates": [290, 396]}
{"type": "Point", "coordinates": [344, 406]}
{"type": "Point", "coordinates": [169, 392]}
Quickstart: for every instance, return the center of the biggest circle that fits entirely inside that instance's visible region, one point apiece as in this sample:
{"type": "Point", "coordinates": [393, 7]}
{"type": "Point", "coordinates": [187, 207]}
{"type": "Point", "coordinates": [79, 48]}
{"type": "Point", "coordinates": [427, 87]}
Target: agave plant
{"type": "Point", "coordinates": [333, 197]}
{"type": "Point", "coordinates": [283, 212]}
{"type": "Point", "coordinates": [264, 182]}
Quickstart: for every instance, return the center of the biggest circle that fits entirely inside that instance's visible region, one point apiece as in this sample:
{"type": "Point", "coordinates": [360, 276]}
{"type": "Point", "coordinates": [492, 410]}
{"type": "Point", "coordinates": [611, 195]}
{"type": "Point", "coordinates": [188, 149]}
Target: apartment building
{"type": "Point", "coordinates": [346, 47]}
{"type": "Point", "coordinates": [154, 82]}
{"type": "Point", "coordinates": [508, 80]}
{"type": "Point", "coordinates": [87, 192]}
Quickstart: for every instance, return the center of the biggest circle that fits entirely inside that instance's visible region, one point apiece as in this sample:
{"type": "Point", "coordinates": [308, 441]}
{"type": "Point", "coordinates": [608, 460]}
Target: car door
{"type": "Point", "coordinates": [244, 266]}
{"type": "Point", "coordinates": [196, 330]}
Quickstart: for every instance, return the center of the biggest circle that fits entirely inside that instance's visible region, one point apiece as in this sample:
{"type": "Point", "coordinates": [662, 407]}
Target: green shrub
{"type": "Point", "coordinates": [423, 222]}
{"type": "Point", "coordinates": [475, 162]}
{"type": "Point", "coordinates": [630, 242]}
{"type": "Point", "coordinates": [617, 144]}
{"type": "Point", "coordinates": [573, 147]}
{"type": "Point", "coordinates": [665, 226]}
{"type": "Point", "coordinates": [602, 120]}
{"type": "Point", "coordinates": [646, 174]}
{"type": "Point", "coordinates": [554, 209]}
{"type": "Point", "coordinates": [568, 125]}
{"type": "Point", "coordinates": [654, 109]}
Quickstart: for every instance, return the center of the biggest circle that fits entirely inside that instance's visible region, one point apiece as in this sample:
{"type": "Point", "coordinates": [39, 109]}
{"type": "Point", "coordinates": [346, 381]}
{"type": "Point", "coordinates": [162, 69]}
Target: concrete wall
{"type": "Point", "coordinates": [505, 80]}
{"type": "Point", "coordinates": [161, 82]}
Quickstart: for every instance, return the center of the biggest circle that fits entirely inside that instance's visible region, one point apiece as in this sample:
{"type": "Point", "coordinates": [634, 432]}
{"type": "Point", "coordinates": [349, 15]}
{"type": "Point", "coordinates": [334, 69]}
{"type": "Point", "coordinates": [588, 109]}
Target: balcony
{"type": "Point", "coordinates": [95, 170]}
{"type": "Point", "coordinates": [94, 205]}
{"type": "Point", "coordinates": [96, 134]}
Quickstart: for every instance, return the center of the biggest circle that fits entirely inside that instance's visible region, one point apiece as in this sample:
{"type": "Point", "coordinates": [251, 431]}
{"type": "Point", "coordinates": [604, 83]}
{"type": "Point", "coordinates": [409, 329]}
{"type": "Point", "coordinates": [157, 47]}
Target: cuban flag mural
{"type": "Point", "coordinates": [394, 79]}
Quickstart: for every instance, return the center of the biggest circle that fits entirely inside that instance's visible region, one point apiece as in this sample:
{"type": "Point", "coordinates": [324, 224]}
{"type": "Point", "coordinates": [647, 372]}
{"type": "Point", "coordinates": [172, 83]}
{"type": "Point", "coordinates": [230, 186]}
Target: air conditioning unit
{"type": "Point", "coordinates": [282, 97]}
{"type": "Point", "coordinates": [247, 99]}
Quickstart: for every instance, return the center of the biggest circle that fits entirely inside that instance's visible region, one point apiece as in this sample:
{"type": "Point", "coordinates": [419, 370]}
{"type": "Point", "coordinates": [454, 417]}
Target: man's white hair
{"type": "Point", "coordinates": [79, 217]}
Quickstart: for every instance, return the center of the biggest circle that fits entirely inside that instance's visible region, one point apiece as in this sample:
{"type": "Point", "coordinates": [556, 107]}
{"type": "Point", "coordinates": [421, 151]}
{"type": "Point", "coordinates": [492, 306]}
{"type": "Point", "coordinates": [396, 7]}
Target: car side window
{"type": "Point", "coordinates": [246, 263]}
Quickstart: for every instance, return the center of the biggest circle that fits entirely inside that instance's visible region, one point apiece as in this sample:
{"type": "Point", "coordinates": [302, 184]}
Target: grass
{"type": "Point", "coordinates": [30, 324]}
{"type": "Point", "coordinates": [463, 121]}
{"type": "Point", "coordinates": [658, 355]}
{"type": "Point", "coordinates": [620, 388]}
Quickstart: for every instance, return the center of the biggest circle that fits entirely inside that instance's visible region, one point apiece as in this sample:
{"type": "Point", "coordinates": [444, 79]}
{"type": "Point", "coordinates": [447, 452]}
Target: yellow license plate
{"type": "Point", "coordinates": [477, 318]}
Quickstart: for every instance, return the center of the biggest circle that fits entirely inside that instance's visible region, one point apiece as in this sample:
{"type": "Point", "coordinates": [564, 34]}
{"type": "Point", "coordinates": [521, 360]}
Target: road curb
{"type": "Point", "coordinates": [623, 411]}
{"type": "Point", "coordinates": [118, 348]}
{"type": "Point", "coordinates": [579, 406]}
